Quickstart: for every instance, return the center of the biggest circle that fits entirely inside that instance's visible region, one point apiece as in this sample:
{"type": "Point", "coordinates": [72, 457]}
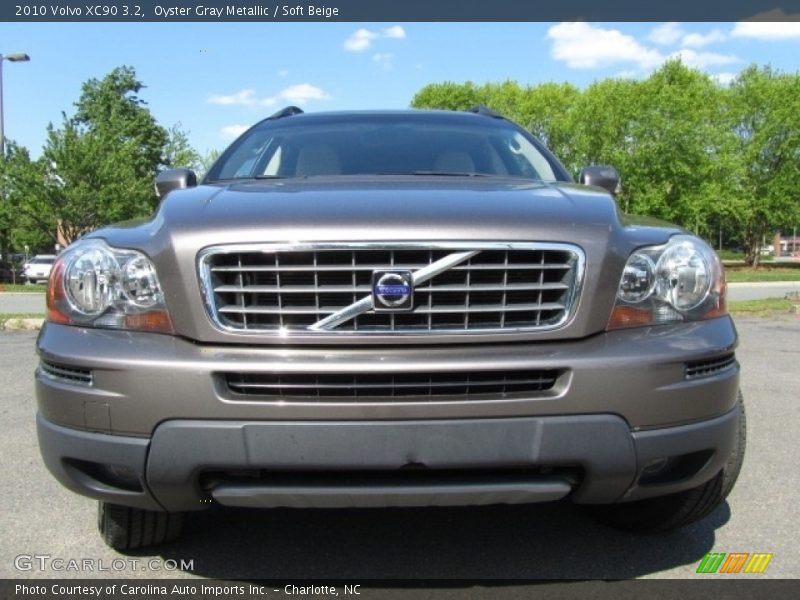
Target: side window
{"type": "Point", "coordinates": [521, 158]}
{"type": "Point", "coordinates": [532, 162]}
{"type": "Point", "coordinates": [245, 160]}
{"type": "Point", "coordinates": [274, 164]}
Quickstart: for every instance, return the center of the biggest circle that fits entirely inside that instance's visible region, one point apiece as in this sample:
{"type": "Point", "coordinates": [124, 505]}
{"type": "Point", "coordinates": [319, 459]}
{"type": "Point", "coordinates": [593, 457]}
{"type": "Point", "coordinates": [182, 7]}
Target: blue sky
{"type": "Point", "coordinates": [216, 78]}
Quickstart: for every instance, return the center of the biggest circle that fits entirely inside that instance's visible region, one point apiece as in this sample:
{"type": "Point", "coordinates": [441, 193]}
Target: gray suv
{"type": "Point", "coordinates": [407, 308]}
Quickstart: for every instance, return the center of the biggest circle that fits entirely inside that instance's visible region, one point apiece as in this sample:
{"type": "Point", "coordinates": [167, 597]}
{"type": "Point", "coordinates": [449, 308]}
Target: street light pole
{"type": "Point", "coordinates": [14, 57]}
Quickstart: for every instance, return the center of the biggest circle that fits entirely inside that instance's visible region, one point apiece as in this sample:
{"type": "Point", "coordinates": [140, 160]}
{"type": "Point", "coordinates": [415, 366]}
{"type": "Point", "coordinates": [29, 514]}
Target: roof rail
{"type": "Point", "coordinates": [480, 109]}
{"type": "Point", "coordinates": [286, 112]}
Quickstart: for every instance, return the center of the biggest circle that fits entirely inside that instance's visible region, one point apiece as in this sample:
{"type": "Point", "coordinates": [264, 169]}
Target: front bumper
{"type": "Point", "coordinates": [140, 380]}
{"type": "Point", "coordinates": [625, 423]}
{"type": "Point", "coordinates": [455, 462]}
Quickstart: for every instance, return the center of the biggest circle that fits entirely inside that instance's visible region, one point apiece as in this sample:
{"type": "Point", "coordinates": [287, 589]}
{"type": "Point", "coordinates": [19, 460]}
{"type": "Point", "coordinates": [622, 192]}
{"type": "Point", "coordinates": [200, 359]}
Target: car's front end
{"type": "Point", "coordinates": [386, 340]}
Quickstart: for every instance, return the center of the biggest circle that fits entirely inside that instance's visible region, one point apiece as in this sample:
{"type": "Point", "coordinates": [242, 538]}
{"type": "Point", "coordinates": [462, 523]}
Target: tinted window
{"type": "Point", "coordinates": [384, 145]}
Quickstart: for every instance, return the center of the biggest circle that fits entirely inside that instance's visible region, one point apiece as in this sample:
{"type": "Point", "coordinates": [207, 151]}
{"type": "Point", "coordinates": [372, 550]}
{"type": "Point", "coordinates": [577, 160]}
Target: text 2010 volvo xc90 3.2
{"type": "Point", "coordinates": [389, 309]}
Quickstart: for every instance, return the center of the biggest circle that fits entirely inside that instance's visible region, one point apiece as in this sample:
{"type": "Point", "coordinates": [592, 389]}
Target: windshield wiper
{"type": "Point", "coordinates": [450, 174]}
{"type": "Point", "coordinates": [249, 178]}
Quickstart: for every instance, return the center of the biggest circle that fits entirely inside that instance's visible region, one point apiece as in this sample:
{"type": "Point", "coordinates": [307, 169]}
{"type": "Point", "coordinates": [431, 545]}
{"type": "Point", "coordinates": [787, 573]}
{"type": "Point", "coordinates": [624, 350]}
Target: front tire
{"type": "Point", "coordinates": [126, 528]}
{"type": "Point", "coordinates": [677, 510]}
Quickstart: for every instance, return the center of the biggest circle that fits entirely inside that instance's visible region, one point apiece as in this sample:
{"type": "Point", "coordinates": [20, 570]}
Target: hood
{"type": "Point", "coordinates": [381, 209]}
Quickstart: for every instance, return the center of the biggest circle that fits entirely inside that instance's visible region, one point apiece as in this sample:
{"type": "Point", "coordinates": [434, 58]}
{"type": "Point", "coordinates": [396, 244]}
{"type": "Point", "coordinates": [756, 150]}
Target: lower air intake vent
{"type": "Point", "coordinates": [706, 368]}
{"type": "Point", "coordinates": [67, 374]}
{"type": "Point", "coordinates": [422, 386]}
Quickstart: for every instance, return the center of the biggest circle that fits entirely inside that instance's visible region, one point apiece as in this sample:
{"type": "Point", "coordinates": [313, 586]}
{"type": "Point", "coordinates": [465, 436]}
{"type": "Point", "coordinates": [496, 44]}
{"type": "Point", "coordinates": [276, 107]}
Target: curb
{"type": "Point", "coordinates": [22, 324]}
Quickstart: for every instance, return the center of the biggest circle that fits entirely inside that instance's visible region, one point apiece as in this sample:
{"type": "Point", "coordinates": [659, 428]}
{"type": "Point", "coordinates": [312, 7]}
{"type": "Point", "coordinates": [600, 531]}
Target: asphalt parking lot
{"type": "Point", "coordinates": [39, 517]}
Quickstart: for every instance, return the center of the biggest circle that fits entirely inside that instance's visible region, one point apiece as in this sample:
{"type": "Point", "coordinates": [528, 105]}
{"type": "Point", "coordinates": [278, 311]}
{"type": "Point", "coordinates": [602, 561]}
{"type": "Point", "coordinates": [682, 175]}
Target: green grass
{"type": "Point", "coordinates": [736, 275]}
{"type": "Point", "coordinates": [765, 306]}
{"type": "Point", "coordinates": [731, 255]}
{"type": "Point", "coordinates": [21, 287]}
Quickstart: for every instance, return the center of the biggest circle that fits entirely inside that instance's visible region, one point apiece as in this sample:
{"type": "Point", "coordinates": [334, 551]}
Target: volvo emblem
{"type": "Point", "coordinates": [392, 290]}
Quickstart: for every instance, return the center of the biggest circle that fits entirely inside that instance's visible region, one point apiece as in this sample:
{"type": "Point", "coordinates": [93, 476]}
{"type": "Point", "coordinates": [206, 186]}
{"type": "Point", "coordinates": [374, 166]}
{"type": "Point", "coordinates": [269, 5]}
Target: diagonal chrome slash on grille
{"type": "Point", "coordinates": [420, 276]}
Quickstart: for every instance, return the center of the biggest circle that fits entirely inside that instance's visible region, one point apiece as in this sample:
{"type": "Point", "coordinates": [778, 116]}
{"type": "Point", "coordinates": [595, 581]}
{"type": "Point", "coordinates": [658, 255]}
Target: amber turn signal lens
{"type": "Point", "coordinates": [629, 316]}
{"type": "Point", "coordinates": [55, 294]}
{"type": "Point", "coordinates": [156, 320]}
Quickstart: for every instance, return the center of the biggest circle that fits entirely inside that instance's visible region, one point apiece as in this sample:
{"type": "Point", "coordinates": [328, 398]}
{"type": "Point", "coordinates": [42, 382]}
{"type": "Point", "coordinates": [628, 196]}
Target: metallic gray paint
{"type": "Point", "coordinates": [384, 209]}
{"type": "Point", "coordinates": [146, 378]}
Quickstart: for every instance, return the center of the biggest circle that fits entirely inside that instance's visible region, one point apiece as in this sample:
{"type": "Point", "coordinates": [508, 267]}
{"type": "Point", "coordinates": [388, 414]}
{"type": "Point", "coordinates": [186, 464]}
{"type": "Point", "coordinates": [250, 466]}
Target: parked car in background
{"type": "Point", "coordinates": [38, 268]}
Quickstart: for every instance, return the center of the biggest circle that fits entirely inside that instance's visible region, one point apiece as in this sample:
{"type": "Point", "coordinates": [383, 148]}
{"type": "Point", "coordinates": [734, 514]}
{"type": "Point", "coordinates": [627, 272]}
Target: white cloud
{"type": "Point", "coordinates": [724, 78]}
{"type": "Point", "coordinates": [701, 60]}
{"type": "Point", "coordinates": [383, 60]}
{"type": "Point", "coordinates": [584, 46]}
{"type": "Point", "coordinates": [296, 94]}
{"type": "Point", "coordinates": [302, 93]}
{"type": "Point", "coordinates": [361, 39]}
{"type": "Point", "coordinates": [395, 32]}
{"type": "Point", "coordinates": [698, 40]}
{"type": "Point", "coordinates": [767, 31]}
{"type": "Point", "coordinates": [671, 34]}
{"type": "Point", "coordinates": [666, 34]}
{"type": "Point", "coordinates": [241, 98]}
{"type": "Point", "coordinates": [587, 46]}
{"type": "Point", "coordinates": [233, 131]}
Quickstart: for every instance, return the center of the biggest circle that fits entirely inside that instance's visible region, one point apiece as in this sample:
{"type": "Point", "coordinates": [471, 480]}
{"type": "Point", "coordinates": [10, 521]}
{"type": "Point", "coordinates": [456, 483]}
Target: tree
{"type": "Point", "coordinates": [704, 156]}
{"type": "Point", "coordinates": [678, 141]}
{"type": "Point", "coordinates": [206, 161]}
{"type": "Point", "coordinates": [764, 107]}
{"type": "Point", "coordinates": [22, 182]}
{"type": "Point", "coordinates": [178, 152]}
{"type": "Point", "coordinates": [100, 164]}
{"type": "Point", "coordinates": [447, 96]}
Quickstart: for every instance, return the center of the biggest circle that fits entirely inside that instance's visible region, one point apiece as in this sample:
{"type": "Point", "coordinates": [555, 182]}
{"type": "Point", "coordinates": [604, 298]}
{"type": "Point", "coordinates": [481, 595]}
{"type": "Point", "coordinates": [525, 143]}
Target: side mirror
{"type": "Point", "coordinates": [174, 179]}
{"type": "Point", "coordinates": [602, 176]}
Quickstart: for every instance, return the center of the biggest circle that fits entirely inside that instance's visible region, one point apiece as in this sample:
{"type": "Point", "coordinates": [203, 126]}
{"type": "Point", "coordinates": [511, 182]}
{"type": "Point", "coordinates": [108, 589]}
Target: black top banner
{"type": "Point", "coordinates": [395, 10]}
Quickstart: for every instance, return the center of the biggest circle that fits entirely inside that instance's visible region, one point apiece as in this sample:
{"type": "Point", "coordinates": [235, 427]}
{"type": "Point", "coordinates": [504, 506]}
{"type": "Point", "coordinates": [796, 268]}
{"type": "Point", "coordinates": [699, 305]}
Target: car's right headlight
{"type": "Point", "coordinates": [682, 280]}
{"type": "Point", "coordinates": [95, 285]}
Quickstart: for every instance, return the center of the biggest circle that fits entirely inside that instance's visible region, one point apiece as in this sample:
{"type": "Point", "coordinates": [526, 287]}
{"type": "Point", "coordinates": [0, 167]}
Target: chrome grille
{"type": "Point", "coordinates": [382, 386]}
{"type": "Point", "coordinates": [290, 289]}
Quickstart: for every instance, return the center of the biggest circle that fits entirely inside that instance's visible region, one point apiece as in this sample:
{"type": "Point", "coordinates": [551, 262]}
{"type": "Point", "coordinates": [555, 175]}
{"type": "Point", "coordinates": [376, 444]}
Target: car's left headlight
{"type": "Point", "coordinates": [95, 285]}
{"type": "Point", "coordinates": [682, 280]}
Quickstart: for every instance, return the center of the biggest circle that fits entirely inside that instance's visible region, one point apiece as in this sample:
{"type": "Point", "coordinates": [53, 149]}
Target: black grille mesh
{"type": "Point", "coordinates": [338, 386]}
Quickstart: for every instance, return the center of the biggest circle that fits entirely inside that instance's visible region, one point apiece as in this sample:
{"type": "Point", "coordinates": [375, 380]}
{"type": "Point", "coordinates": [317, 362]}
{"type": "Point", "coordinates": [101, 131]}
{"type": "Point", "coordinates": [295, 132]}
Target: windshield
{"type": "Point", "coordinates": [385, 145]}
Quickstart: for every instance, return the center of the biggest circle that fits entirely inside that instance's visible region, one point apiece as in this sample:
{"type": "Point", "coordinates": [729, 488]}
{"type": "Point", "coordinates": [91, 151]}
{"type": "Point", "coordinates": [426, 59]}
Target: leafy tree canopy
{"type": "Point", "coordinates": [689, 150]}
